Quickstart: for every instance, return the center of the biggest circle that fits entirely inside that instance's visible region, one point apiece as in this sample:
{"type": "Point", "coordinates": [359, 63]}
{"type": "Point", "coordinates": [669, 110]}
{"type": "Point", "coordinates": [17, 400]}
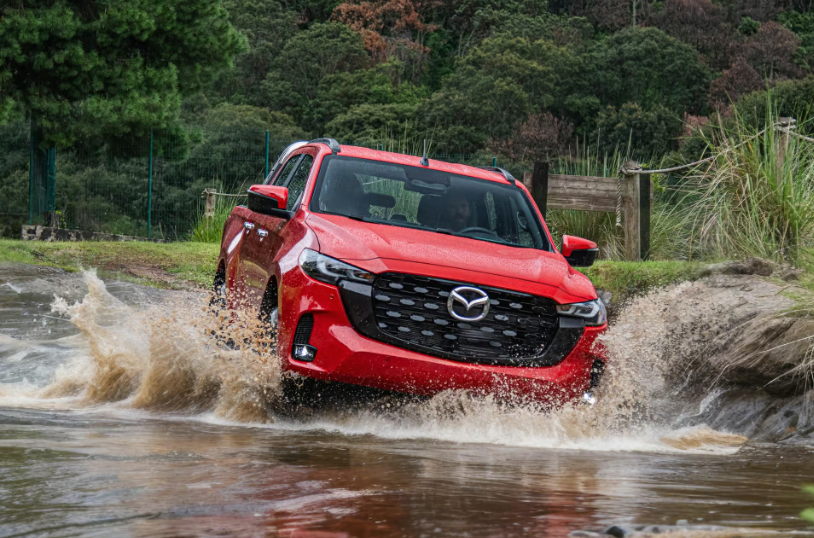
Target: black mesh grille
{"type": "Point", "coordinates": [303, 333]}
{"type": "Point", "coordinates": [413, 309]}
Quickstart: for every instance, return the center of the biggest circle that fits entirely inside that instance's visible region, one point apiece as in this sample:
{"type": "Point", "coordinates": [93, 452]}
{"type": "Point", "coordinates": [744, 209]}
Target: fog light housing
{"type": "Point", "coordinates": [304, 352]}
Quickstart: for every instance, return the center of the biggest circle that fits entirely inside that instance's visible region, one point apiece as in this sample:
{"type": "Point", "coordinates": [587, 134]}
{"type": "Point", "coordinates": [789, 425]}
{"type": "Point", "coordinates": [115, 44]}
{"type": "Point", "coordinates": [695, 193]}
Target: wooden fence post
{"type": "Point", "coordinates": [645, 208]}
{"type": "Point", "coordinates": [539, 186]}
{"type": "Point", "coordinates": [209, 207]}
{"type": "Point", "coordinates": [784, 125]}
{"type": "Point", "coordinates": [630, 211]}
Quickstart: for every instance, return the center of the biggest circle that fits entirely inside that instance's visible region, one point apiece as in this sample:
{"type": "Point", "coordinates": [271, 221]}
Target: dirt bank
{"type": "Point", "coordinates": [737, 344]}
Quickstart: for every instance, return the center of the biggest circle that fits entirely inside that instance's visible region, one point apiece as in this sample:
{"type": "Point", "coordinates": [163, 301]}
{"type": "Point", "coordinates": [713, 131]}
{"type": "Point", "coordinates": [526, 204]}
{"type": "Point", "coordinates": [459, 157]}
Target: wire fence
{"type": "Point", "coordinates": [149, 186]}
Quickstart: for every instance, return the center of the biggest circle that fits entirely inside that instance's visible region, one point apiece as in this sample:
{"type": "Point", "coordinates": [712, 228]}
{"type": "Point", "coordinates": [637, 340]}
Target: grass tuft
{"type": "Point", "coordinates": [756, 198]}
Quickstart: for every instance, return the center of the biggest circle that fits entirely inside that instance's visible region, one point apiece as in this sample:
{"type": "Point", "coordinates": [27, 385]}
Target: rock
{"type": "Point", "coordinates": [749, 266]}
{"type": "Point", "coordinates": [606, 297]}
{"type": "Point", "coordinates": [788, 273]}
{"type": "Point", "coordinates": [584, 534]}
{"type": "Point", "coordinates": [619, 532]}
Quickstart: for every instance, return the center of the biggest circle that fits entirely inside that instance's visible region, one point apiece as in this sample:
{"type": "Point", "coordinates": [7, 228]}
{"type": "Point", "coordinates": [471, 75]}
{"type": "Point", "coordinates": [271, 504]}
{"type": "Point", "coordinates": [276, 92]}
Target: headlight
{"type": "Point", "coordinates": [331, 271]}
{"type": "Point", "coordinates": [593, 312]}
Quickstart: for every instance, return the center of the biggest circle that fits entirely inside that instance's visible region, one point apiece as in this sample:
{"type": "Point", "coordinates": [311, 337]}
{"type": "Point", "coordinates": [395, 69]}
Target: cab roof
{"type": "Point", "coordinates": [412, 160]}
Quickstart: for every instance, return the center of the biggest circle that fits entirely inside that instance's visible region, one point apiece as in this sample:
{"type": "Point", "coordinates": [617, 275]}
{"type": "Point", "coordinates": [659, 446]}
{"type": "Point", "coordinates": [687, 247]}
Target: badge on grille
{"type": "Point", "coordinates": [468, 304]}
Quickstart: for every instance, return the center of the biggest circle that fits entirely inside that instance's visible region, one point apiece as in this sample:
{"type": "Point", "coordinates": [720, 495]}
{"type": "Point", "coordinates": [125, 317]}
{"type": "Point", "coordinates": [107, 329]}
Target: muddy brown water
{"type": "Point", "coordinates": [119, 416]}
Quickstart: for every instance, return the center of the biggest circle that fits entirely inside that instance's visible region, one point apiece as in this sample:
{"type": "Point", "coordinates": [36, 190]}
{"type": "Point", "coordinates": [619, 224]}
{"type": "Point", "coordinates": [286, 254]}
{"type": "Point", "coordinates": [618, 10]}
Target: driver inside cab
{"type": "Point", "coordinates": [458, 213]}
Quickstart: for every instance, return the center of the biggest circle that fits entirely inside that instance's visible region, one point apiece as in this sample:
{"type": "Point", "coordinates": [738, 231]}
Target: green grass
{"type": "Point", "coordinates": [628, 279]}
{"type": "Point", "coordinates": [164, 265]}
{"type": "Point", "coordinates": [808, 514]}
{"type": "Point", "coordinates": [192, 265]}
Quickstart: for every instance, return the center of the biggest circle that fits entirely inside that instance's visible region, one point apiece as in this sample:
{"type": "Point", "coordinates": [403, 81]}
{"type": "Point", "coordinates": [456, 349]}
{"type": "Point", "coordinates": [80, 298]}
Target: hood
{"type": "Point", "coordinates": [380, 247]}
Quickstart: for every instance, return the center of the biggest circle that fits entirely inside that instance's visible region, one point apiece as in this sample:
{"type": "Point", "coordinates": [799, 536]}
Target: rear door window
{"type": "Point", "coordinates": [283, 175]}
{"type": "Point", "coordinates": [296, 185]}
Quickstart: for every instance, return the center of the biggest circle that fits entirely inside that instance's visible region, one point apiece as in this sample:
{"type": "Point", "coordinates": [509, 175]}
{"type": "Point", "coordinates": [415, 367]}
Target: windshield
{"type": "Point", "coordinates": [415, 197]}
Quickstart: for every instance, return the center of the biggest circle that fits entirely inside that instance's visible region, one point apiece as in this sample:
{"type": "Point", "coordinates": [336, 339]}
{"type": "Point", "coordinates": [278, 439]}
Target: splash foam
{"type": "Point", "coordinates": [171, 358]}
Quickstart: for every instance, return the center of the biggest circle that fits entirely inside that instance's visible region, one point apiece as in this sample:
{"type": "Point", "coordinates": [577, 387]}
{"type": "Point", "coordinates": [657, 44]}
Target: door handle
{"type": "Point", "coordinates": [262, 233]}
{"type": "Point", "coordinates": [248, 225]}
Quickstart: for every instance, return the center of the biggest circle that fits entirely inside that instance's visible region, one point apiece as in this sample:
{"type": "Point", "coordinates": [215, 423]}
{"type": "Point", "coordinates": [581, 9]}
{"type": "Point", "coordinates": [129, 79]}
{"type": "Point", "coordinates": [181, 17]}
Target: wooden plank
{"type": "Point", "coordinates": [586, 202]}
{"type": "Point", "coordinates": [558, 178]}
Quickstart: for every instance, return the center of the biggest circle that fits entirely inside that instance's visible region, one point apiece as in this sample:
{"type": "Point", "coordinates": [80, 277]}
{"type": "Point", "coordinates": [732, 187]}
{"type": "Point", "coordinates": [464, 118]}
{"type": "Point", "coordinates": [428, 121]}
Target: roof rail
{"type": "Point", "coordinates": [510, 178]}
{"type": "Point", "coordinates": [330, 142]}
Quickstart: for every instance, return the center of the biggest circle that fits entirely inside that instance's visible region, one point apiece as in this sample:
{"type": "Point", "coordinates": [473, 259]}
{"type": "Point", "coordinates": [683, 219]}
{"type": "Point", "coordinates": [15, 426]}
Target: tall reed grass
{"type": "Point", "coordinates": [210, 229]}
{"type": "Point", "coordinates": [756, 197]}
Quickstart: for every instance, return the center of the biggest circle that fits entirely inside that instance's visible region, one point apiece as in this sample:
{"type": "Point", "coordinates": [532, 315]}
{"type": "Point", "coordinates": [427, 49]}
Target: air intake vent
{"type": "Point", "coordinates": [304, 327]}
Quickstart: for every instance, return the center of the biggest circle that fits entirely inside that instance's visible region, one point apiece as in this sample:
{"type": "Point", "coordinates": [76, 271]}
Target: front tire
{"type": "Point", "coordinates": [218, 300]}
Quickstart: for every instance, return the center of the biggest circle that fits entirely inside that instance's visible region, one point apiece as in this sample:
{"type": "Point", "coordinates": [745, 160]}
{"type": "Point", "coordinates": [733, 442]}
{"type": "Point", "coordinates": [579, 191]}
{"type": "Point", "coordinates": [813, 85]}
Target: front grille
{"type": "Point", "coordinates": [413, 310]}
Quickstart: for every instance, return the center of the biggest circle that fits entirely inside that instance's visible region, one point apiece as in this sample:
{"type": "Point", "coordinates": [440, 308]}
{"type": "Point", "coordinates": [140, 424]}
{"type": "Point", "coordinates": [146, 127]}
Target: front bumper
{"type": "Point", "coordinates": [346, 356]}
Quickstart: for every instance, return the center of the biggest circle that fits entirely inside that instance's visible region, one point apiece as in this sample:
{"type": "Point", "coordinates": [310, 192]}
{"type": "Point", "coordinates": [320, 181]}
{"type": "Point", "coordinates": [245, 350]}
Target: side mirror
{"type": "Point", "coordinates": [269, 200]}
{"type": "Point", "coordinates": [579, 252]}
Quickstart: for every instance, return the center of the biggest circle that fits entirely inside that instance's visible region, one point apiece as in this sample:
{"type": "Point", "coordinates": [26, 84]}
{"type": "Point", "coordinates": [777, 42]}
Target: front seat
{"type": "Point", "coordinates": [346, 197]}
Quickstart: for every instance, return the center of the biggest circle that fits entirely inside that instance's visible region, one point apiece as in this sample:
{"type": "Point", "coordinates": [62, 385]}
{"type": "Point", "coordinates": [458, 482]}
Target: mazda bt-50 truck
{"type": "Point", "coordinates": [412, 275]}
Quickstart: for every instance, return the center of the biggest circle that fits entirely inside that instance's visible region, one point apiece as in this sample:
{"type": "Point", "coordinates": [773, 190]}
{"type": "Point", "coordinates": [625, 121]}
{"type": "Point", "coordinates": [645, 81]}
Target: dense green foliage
{"type": "Point", "coordinates": [520, 79]}
{"type": "Point", "coordinates": [469, 74]}
{"type": "Point", "coordinates": [111, 67]}
{"type": "Point", "coordinates": [466, 73]}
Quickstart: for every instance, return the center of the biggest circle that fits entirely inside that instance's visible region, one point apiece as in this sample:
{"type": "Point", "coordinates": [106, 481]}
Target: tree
{"type": "Point", "coordinates": [653, 131]}
{"type": "Point", "coordinates": [613, 15]}
{"type": "Point", "coordinates": [227, 116]}
{"type": "Point", "coordinates": [472, 21]}
{"type": "Point", "coordinates": [474, 108]}
{"type": "Point", "coordinates": [802, 24]}
{"type": "Point", "coordinates": [646, 66]}
{"type": "Point", "coordinates": [540, 138]}
{"type": "Point", "coordinates": [368, 124]}
{"type": "Point", "coordinates": [497, 86]}
{"type": "Point", "coordinates": [390, 28]}
{"type": "Point", "coordinates": [378, 85]}
{"type": "Point", "coordinates": [698, 23]}
{"type": "Point", "coordinates": [763, 58]}
{"type": "Point", "coordinates": [306, 59]}
{"type": "Point", "coordinates": [86, 69]}
{"type": "Point", "coordinates": [738, 80]}
{"type": "Point", "coordinates": [760, 10]}
{"type": "Point", "coordinates": [267, 27]}
{"type": "Point", "coordinates": [788, 98]}
{"type": "Point", "coordinates": [771, 51]}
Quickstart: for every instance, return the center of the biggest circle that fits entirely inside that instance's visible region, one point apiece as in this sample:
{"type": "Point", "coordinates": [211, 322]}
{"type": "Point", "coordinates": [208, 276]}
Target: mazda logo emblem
{"type": "Point", "coordinates": [471, 299]}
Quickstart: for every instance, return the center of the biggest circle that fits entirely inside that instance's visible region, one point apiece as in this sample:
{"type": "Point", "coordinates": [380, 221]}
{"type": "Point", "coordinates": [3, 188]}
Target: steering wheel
{"type": "Point", "coordinates": [477, 229]}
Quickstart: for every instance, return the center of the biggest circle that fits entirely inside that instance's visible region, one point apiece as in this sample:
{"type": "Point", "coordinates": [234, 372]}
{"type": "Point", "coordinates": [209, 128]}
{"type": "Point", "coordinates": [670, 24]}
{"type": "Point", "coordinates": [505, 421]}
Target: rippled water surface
{"type": "Point", "coordinates": [122, 418]}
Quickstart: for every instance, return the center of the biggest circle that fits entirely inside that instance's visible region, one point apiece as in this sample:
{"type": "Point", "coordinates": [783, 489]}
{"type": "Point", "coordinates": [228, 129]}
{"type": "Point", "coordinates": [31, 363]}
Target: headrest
{"type": "Point", "coordinates": [379, 200]}
{"type": "Point", "coordinates": [429, 210]}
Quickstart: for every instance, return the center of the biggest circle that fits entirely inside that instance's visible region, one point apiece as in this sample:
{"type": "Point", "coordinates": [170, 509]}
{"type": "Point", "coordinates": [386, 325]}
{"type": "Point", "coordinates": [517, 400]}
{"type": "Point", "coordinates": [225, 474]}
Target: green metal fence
{"type": "Point", "coordinates": [15, 178]}
{"type": "Point", "coordinates": [149, 186]}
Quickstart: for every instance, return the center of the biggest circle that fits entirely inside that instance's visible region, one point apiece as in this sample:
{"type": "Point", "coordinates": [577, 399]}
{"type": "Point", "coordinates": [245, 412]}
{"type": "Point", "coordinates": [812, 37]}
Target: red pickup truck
{"type": "Point", "coordinates": [412, 275]}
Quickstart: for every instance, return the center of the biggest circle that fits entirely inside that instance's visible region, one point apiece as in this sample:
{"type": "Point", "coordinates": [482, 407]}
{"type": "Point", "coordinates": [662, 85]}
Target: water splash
{"type": "Point", "coordinates": [171, 358]}
{"type": "Point", "coordinates": [165, 358]}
